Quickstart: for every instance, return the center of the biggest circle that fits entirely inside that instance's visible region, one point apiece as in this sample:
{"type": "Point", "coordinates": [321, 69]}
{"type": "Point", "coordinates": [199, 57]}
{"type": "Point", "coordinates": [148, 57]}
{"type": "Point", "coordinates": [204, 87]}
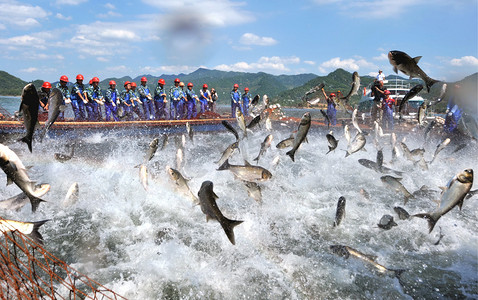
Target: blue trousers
{"type": "Point", "coordinates": [78, 109]}
{"type": "Point", "coordinates": [331, 113]}
{"type": "Point", "coordinates": [110, 110]}
{"type": "Point", "coordinates": [233, 108]}
{"type": "Point", "coordinates": [161, 110]}
{"type": "Point", "coordinates": [191, 106]}
{"type": "Point", "coordinates": [148, 108]}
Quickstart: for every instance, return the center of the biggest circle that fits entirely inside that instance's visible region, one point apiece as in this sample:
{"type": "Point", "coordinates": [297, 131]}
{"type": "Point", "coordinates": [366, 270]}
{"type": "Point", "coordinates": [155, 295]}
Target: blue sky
{"type": "Point", "coordinates": [46, 39]}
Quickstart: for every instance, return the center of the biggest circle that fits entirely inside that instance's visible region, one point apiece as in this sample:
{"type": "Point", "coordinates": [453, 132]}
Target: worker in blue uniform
{"type": "Point", "coordinates": [235, 100]}
{"type": "Point", "coordinates": [160, 101]}
{"type": "Point", "coordinates": [111, 102]}
{"type": "Point", "coordinates": [79, 98]}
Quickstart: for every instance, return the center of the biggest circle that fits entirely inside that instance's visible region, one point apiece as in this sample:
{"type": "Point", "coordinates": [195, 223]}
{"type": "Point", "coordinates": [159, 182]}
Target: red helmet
{"type": "Point", "coordinates": [133, 84]}
{"type": "Point", "coordinates": [95, 79]}
{"type": "Point", "coordinates": [112, 82]}
{"type": "Point", "coordinates": [90, 82]}
{"type": "Point", "coordinates": [177, 80]}
{"type": "Point", "coordinates": [144, 79]}
{"type": "Point", "coordinates": [64, 78]}
{"type": "Point", "coordinates": [126, 83]}
{"type": "Point", "coordinates": [161, 80]}
{"type": "Point", "coordinates": [190, 84]}
{"type": "Point", "coordinates": [236, 85]}
{"type": "Point", "coordinates": [246, 89]}
{"type": "Point", "coordinates": [332, 95]}
{"type": "Point", "coordinates": [79, 77]}
{"type": "Point", "coordinates": [46, 85]}
{"type": "Point", "coordinates": [204, 86]}
{"type": "Point", "coordinates": [387, 92]}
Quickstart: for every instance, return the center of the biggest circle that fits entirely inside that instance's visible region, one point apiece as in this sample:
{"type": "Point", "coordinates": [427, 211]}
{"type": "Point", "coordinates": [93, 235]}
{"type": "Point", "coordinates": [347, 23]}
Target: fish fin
{"type": "Point", "coordinates": [460, 204]}
{"type": "Point", "coordinates": [256, 159]}
{"type": "Point", "coordinates": [28, 141]}
{"type": "Point", "coordinates": [35, 234]}
{"type": "Point", "coordinates": [306, 140]}
{"type": "Point", "coordinates": [215, 196]}
{"type": "Point", "coordinates": [430, 82]}
{"type": "Point", "coordinates": [395, 69]}
{"type": "Point", "coordinates": [224, 166]}
{"type": "Point", "coordinates": [330, 149]}
{"type": "Point", "coordinates": [228, 226]}
{"type": "Point", "coordinates": [62, 107]}
{"type": "Point", "coordinates": [291, 154]}
{"type": "Point", "coordinates": [9, 180]}
{"type": "Point", "coordinates": [372, 257]}
{"type": "Point", "coordinates": [431, 221]}
{"type": "Point", "coordinates": [417, 59]}
{"type": "Point", "coordinates": [397, 272]}
{"type": "Point", "coordinates": [442, 188]}
{"type": "Point", "coordinates": [246, 163]}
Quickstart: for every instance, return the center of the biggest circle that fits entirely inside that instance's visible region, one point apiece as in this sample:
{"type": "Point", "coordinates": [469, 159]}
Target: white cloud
{"type": "Point", "coordinates": [102, 59]}
{"type": "Point", "coordinates": [29, 70]}
{"type": "Point", "coordinates": [70, 2]}
{"type": "Point", "coordinates": [274, 64]}
{"type": "Point", "coordinates": [22, 15]}
{"type": "Point", "coordinates": [382, 56]}
{"type": "Point", "coordinates": [24, 41]}
{"type": "Point", "coordinates": [350, 64]}
{"type": "Point", "coordinates": [172, 69]}
{"type": "Point", "coordinates": [252, 39]}
{"type": "Point", "coordinates": [110, 6]}
{"type": "Point", "coordinates": [464, 61]}
{"type": "Point", "coordinates": [309, 62]}
{"type": "Point", "coordinates": [62, 17]}
{"type": "Point", "coordinates": [109, 14]}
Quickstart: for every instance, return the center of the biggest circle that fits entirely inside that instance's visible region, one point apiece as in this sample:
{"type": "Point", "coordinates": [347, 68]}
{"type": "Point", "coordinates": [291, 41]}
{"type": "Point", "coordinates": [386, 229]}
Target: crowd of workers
{"type": "Point", "coordinates": [139, 102]}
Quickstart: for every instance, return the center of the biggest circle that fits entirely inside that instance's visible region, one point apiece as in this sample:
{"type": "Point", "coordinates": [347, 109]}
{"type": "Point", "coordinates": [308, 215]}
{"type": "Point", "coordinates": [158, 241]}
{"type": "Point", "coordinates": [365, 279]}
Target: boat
{"type": "Point", "coordinates": [398, 89]}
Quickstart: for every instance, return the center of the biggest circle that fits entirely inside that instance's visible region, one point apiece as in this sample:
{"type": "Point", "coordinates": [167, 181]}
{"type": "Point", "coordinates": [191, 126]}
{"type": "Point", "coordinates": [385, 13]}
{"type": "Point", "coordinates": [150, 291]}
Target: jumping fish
{"type": "Point", "coordinates": [55, 107]}
{"type": "Point", "coordinates": [143, 176]}
{"type": "Point", "coordinates": [288, 142]}
{"type": "Point", "coordinates": [153, 146]}
{"type": "Point", "coordinates": [20, 200]}
{"type": "Point", "coordinates": [422, 113]}
{"type": "Point", "coordinates": [264, 145]}
{"type": "Point", "coordinates": [386, 222]}
{"type": "Point", "coordinates": [16, 172]}
{"type": "Point", "coordinates": [453, 195]}
{"type": "Point", "coordinates": [247, 172]}
{"type": "Point", "coordinates": [254, 122]}
{"type": "Point", "coordinates": [29, 108]}
{"type": "Point", "coordinates": [241, 122]}
{"type": "Point", "coordinates": [254, 191]}
{"type": "Point", "coordinates": [401, 212]}
{"type": "Point", "coordinates": [332, 142]}
{"type": "Point", "coordinates": [230, 129]}
{"type": "Point", "coordinates": [409, 66]}
{"type": "Point", "coordinates": [410, 94]}
{"type": "Point", "coordinates": [190, 131]}
{"type": "Point", "coordinates": [179, 158]}
{"type": "Point", "coordinates": [182, 184]}
{"type": "Point", "coordinates": [228, 152]}
{"type": "Point", "coordinates": [29, 229]}
{"type": "Point", "coordinates": [65, 157]}
{"type": "Point", "coordinates": [71, 196]}
{"type": "Point", "coordinates": [165, 141]}
{"type": "Point", "coordinates": [440, 147]}
{"type": "Point", "coordinates": [396, 185]}
{"type": "Point", "coordinates": [326, 117]}
{"type": "Point", "coordinates": [207, 200]}
{"type": "Point", "coordinates": [340, 212]}
{"type": "Point", "coordinates": [355, 87]}
{"type": "Point", "coordinates": [357, 144]}
{"type": "Point", "coordinates": [301, 134]}
{"type": "Point", "coordinates": [346, 252]}
{"type": "Point", "coordinates": [347, 134]}
{"type": "Point", "coordinates": [354, 120]}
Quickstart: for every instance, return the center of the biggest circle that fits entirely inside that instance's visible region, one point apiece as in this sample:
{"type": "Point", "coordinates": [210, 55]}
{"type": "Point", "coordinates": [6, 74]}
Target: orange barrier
{"type": "Point", "coordinates": [28, 271]}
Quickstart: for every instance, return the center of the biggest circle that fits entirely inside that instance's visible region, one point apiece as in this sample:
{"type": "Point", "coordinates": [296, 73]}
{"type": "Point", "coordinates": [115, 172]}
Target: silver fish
{"type": "Point", "coordinates": [426, 192]}
{"type": "Point", "coordinates": [254, 122]}
{"type": "Point", "coordinates": [190, 131]}
{"type": "Point", "coordinates": [207, 200]}
{"type": "Point", "coordinates": [230, 129]}
{"type": "Point", "coordinates": [20, 200]}
{"type": "Point", "coordinates": [153, 146]}
{"type": "Point", "coordinates": [16, 172]}
{"type": "Point", "coordinates": [65, 157]}
{"type": "Point", "coordinates": [332, 142]}
{"type": "Point", "coordinates": [181, 184]}
{"type": "Point", "coordinates": [143, 176]}
{"type": "Point", "coordinates": [376, 167]}
{"type": "Point", "coordinates": [365, 194]}
{"type": "Point", "coordinates": [407, 152]}
{"type": "Point", "coordinates": [357, 144]}
{"type": "Point", "coordinates": [228, 152]}
{"type": "Point", "coordinates": [179, 158]}
{"type": "Point", "coordinates": [340, 212]}
{"type": "Point", "coordinates": [247, 172]}
{"type": "Point", "coordinates": [439, 148]}
{"type": "Point", "coordinates": [401, 212]}
{"type": "Point", "coordinates": [347, 134]}
{"type": "Point", "coordinates": [380, 158]}
{"type": "Point", "coordinates": [264, 146]}
{"type": "Point", "coordinates": [288, 142]}
{"type": "Point", "coordinates": [55, 106]}
{"type": "Point", "coordinates": [403, 62]}
{"type": "Point", "coordinates": [241, 122]}
{"type": "Point", "coordinates": [422, 113]}
{"type": "Point", "coordinates": [254, 191]}
{"type": "Point", "coordinates": [429, 128]}
{"type": "Point", "coordinates": [355, 86]}
{"type": "Point", "coordinates": [165, 141]}
{"type": "Point", "coordinates": [29, 108]}
{"type": "Point", "coordinates": [71, 196]}
{"type": "Point", "coordinates": [354, 120]}
{"type": "Point", "coordinates": [452, 196]}
{"type": "Point", "coordinates": [29, 229]}
{"type": "Point", "coordinates": [327, 119]}
{"type": "Point", "coordinates": [396, 185]}
{"type": "Point", "coordinates": [301, 134]}
{"type": "Point", "coordinates": [346, 252]}
{"type": "Point", "coordinates": [410, 94]}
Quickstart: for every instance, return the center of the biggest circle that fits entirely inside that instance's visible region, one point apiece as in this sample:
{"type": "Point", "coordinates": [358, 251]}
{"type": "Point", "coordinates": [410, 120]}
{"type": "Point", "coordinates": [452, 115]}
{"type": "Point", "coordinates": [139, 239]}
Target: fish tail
{"type": "Point", "coordinates": [228, 226]}
{"type": "Point", "coordinates": [398, 272]}
{"type": "Point", "coordinates": [35, 234]}
{"type": "Point", "coordinates": [291, 154]}
{"type": "Point", "coordinates": [28, 141]}
{"type": "Point", "coordinates": [431, 221]}
{"type": "Point", "coordinates": [35, 201]}
{"type": "Point", "coordinates": [224, 166]}
{"type": "Point", "coordinates": [430, 82]}
{"type": "Point", "coordinates": [330, 149]}
{"type": "Point", "coordinates": [257, 158]}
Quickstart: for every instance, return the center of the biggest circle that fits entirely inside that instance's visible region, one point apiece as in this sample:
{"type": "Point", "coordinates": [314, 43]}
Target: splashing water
{"type": "Point", "coordinates": [155, 244]}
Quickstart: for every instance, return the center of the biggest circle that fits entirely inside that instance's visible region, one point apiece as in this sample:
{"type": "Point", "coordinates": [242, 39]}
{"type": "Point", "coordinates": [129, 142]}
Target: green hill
{"type": "Point", "coordinates": [10, 85]}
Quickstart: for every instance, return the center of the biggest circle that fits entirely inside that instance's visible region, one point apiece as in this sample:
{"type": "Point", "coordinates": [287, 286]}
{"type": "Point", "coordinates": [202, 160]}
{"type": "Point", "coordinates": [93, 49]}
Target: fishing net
{"type": "Point", "coordinates": [28, 271]}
